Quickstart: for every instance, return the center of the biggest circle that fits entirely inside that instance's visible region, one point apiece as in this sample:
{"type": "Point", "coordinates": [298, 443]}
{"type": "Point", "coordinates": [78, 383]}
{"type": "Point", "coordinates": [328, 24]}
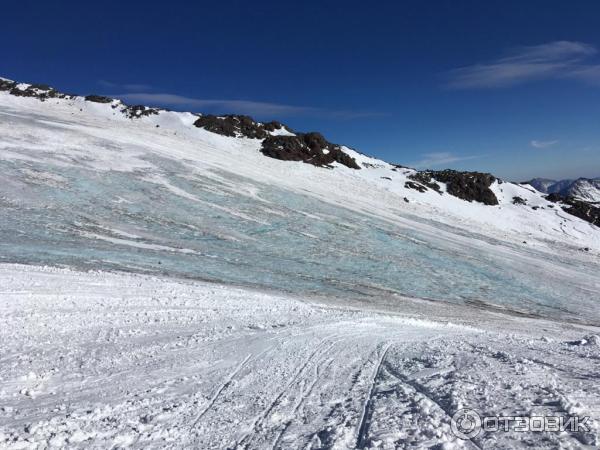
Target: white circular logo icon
{"type": "Point", "coordinates": [466, 423]}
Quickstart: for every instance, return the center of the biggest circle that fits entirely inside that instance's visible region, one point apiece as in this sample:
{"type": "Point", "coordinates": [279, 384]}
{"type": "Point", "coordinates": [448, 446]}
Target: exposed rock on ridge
{"type": "Point", "coordinates": [470, 186]}
{"type": "Point", "coordinates": [237, 126]}
{"type": "Point", "coordinates": [137, 111]}
{"type": "Point", "coordinates": [98, 99]}
{"type": "Point", "coordinates": [310, 148]}
{"type": "Point", "coordinates": [40, 91]}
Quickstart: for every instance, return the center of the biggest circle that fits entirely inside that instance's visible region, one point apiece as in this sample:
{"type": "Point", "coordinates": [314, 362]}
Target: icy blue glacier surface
{"type": "Point", "coordinates": [222, 227]}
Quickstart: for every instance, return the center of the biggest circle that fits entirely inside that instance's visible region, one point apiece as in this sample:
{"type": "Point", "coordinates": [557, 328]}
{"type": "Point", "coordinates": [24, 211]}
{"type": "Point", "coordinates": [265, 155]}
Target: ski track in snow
{"type": "Point", "coordinates": [109, 360]}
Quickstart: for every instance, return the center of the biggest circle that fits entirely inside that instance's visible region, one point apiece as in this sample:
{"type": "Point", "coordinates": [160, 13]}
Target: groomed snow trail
{"type": "Point", "coordinates": [111, 360]}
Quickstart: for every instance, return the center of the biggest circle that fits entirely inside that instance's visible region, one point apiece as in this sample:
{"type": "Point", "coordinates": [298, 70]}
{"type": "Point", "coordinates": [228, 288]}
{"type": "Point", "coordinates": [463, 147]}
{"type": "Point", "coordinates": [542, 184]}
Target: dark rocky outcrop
{"type": "Point", "coordinates": [40, 91]}
{"type": "Point", "coordinates": [578, 208]}
{"type": "Point", "coordinates": [41, 87]}
{"type": "Point", "coordinates": [370, 165]}
{"type": "Point", "coordinates": [6, 85]}
{"type": "Point", "coordinates": [311, 148]}
{"type": "Point", "coordinates": [519, 201]}
{"type": "Point", "coordinates": [237, 126]}
{"type": "Point", "coordinates": [98, 99]}
{"type": "Point", "coordinates": [426, 179]}
{"type": "Point", "coordinates": [43, 92]}
{"type": "Point", "coordinates": [137, 111]}
{"type": "Point", "coordinates": [416, 186]}
{"type": "Point", "coordinates": [274, 125]}
{"type": "Point", "coordinates": [470, 186]}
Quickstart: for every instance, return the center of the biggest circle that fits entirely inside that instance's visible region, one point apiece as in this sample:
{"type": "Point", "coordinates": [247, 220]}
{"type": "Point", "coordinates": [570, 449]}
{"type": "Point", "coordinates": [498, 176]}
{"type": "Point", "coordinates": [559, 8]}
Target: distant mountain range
{"type": "Point", "coordinates": [586, 189]}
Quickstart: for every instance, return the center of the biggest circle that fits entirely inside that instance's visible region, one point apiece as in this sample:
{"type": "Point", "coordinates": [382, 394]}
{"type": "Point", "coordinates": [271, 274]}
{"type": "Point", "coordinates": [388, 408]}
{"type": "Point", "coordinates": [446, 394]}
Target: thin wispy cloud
{"type": "Point", "coordinates": [249, 107]}
{"type": "Point", "coordinates": [553, 60]}
{"type": "Point", "coordinates": [542, 144]}
{"type": "Point", "coordinates": [436, 159]}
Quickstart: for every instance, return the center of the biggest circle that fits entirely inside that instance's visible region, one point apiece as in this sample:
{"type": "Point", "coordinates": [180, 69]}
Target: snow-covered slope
{"type": "Point", "coordinates": [85, 185]}
{"type": "Point", "coordinates": [347, 308]}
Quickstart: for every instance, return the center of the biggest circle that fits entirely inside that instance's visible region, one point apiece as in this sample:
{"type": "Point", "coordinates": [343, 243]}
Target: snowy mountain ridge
{"type": "Point", "coordinates": [585, 189]}
{"type": "Point", "coordinates": [147, 190]}
{"type": "Point", "coordinates": [281, 142]}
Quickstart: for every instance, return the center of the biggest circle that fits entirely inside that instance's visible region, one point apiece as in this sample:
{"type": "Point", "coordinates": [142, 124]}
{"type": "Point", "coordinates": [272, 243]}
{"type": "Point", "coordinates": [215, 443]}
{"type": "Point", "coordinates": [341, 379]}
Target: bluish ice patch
{"type": "Point", "coordinates": [210, 226]}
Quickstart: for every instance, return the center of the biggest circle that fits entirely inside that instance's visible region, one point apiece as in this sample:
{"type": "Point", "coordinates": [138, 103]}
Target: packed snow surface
{"type": "Point", "coordinates": [123, 360]}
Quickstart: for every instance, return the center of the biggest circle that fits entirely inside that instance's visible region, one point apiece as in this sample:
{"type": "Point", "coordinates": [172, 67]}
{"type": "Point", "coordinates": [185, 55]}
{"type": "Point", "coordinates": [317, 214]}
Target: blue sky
{"type": "Point", "coordinates": [509, 87]}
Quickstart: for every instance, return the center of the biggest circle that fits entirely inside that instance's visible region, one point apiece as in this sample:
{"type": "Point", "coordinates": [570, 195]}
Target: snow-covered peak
{"type": "Point", "coordinates": [585, 189]}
